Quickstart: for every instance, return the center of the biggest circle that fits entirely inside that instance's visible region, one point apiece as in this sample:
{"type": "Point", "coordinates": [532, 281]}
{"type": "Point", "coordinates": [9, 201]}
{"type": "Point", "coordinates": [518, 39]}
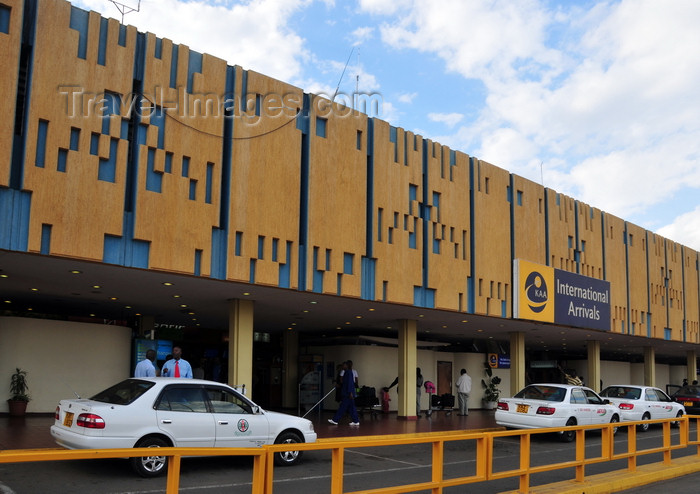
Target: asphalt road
{"type": "Point", "coordinates": [365, 468]}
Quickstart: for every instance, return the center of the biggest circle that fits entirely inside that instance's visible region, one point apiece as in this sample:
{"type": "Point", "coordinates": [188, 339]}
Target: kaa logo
{"type": "Point", "coordinates": [536, 292]}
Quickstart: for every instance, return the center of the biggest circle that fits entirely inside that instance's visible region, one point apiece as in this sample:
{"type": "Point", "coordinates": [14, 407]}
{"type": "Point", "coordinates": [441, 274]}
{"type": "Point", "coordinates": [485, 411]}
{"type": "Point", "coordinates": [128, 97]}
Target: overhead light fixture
{"type": "Point", "coordinates": [167, 283]}
{"type": "Point", "coordinates": [75, 271]}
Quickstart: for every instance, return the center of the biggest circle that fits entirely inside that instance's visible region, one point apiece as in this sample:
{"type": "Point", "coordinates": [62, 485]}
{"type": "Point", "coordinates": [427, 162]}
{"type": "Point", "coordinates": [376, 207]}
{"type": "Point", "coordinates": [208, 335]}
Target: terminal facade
{"type": "Point", "coordinates": [125, 152]}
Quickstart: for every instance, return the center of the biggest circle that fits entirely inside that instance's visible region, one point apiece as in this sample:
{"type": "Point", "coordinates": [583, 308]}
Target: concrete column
{"type": "Point", "coordinates": [408, 360]}
{"type": "Point", "coordinates": [240, 344]}
{"type": "Point", "coordinates": [593, 380]}
{"type": "Point", "coordinates": [649, 366]}
{"type": "Point", "coordinates": [290, 368]}
{"type": "Point", "coordinates": [692, 364]}
{"type": "Point", "coordinates": [517, 362]}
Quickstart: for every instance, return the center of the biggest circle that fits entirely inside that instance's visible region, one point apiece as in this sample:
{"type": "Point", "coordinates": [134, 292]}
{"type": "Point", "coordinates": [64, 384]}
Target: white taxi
{"type": "Point", "coordinates": [555, 405]}
{"type": "Point", "coordinates": [162, 411]}
{"type": "Point", "coordinates": [642, 403]}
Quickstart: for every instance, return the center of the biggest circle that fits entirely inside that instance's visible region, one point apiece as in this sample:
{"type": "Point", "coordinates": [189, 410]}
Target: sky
{"type": "Point", "coordinates": [597, 100]}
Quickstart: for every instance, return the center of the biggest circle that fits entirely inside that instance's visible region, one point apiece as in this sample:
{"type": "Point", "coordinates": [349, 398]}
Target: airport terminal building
{"type": "Point", "coordinates": [151, 195]}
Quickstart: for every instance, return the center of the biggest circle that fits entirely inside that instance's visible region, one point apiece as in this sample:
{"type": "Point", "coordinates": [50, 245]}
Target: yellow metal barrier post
{"type": "Point", "coordinates": [438, 462]}
{"type": "Point", "coordinates": [337, 468]}
{"type": "Point", "coordinates": [580, 455]}
{"type": "Point", "coordinates": [632, 448]}
{"type": "Point", "coordinates": [524, 478]}
{"type": "Point", "coordinates": [173, 482]}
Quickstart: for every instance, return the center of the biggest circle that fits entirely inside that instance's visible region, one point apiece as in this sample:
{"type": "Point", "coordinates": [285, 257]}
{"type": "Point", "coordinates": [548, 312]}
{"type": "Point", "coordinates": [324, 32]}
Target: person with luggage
{"type": "Point", "coordinates": [348, 394]}
{"type": "Point", "coordinates": [464, 387]}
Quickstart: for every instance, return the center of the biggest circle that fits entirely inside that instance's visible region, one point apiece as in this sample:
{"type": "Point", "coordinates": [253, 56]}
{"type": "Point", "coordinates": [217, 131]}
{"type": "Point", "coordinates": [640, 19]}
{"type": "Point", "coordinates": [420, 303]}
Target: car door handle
{"type": "Point", "coordinates": [167, 421]}
{"type": "Point", "coordinates": [223, 422]}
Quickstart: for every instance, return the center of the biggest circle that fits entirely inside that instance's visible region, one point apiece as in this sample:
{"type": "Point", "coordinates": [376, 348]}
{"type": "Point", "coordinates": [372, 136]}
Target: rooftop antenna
{"type": "Point", "coordinates": [355, 99]}
{"type": "Point", "coordinates": [126, 9]}
{"type": "Point", "coordinates": [341, 75]}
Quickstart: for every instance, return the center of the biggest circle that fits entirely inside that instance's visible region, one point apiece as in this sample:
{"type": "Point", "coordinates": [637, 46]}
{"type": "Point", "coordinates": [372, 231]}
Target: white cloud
{"type": "Point", "coordinates": [254, 35]}
{"type": "Point", "coordinates": [449, 119]}
{"type": "Point", "coordinates": [407, 97]}
{"type": "Point", "coordinates": [362, 34]}
{"type": "Point", "coordinates": [684, 229]}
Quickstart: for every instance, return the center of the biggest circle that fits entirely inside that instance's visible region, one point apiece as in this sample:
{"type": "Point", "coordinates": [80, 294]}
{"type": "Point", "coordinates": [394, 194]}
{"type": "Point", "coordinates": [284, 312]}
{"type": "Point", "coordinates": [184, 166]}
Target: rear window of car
{"type": "Point", "coordinates": [123, 393]}
{"type": "Point", "coordinates": [547, 393]}
{"type": "Point", "coordinates": [628, 393]}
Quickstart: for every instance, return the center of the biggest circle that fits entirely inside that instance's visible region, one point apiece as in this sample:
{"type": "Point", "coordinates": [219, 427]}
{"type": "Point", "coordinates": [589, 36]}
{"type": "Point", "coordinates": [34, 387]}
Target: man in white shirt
{"type": "Point", "coordinates": [145, 368]}
{"type": "Point", "coordinates": [464, 387]}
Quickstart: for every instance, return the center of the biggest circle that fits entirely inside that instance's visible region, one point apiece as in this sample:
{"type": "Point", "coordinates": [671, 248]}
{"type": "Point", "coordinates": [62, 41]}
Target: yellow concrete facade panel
{"type": "Point", "coordinates": [492, 240]}
{"type": "Point", "coordinates": [529, 221]}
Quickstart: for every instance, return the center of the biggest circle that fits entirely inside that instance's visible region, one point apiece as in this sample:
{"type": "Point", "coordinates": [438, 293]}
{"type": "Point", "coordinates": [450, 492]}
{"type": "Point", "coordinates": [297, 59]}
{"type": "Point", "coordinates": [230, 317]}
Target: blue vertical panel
{"type": "Point", "coordinates": [110, 106]}
{"type": "Point", "coordinates": [185, 166]}
{"type": "Point", "coordinates": [173, 67]}
{"type": "Point", "coordinates": [239, 243]}
{"type": "Point", "coordinates": [261, 247]}
{"type": "Point", "coordinates": [62, 160]}
{"type": "Point", "coordinates": [317, 281]}
{"type": "Point", "coordinates": [79, 19]}
{"type": "Point", "coordinates": [209, 183]}
{"type": "Point", "coordinates": [348, 261]}
{"type": "Point", "coordinates": [154, 179]}
{"type": "Point", "coordinates": [285, 273]}
{"type": "Point", "coordinates": [102, 45]}
{"type": "Point", "coordinates": [158, 120]}
{"type": "Point", "coordinates": [107, 168]}
{"type": "Point", "coordinates": [5, 19]}
{"type": "Point", "coordinates": [122, 35]}
{"type": "Point", "coordinates": [45, 239]}
{"type": "Point", "coordinates": [252, 271]}
{"type": "Point", "coordinates": [41, 134]}
{"type": "Point", "coordinates": [112, 251]}
{"type": "Point", "coordinates": [198, 262]}
{"type": "Point", "coordinates": [139, 254]}
{"type": "Point", "coordinates": [321, 125]}
{"type": "Point", "coordinates": [393, 139]}
{"type": "Point", "coordinates": [74, 139]}
{"type": "Point", "coordinates": [159, 48]}
{"type": "Point", "coordinates": [193, 190]}
{"type": "Point", "coordinates": [303, 125]}
{"type": "Point", "coordinates": [368, 278]}
{"type": "Point", "coordinates": [14, 219]}
{"type": "Point", "coordinates": [94, 144]}
{"type": "Point", "coordinates": [275, 244]}
{"type": "Point", "coordinates": [168, 167]}
{"type": "Point", "coordinates": [339, 284]}
{"type": "Point", "coordinates": [194, 65]}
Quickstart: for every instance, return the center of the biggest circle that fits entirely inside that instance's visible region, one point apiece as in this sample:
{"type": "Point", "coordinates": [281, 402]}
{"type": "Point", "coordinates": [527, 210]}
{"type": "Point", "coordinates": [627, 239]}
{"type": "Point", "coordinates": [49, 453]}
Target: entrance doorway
{"type": "Point", "coordinates": [444, 377]}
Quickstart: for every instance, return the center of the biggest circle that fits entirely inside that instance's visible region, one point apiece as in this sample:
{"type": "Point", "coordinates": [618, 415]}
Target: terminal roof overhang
{"type": "Point", "coordinates": [85, 290]}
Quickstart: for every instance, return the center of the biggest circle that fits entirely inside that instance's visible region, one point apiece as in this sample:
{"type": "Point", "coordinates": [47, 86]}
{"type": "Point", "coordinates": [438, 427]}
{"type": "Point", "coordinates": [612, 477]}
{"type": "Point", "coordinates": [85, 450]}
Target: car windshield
{"type": "Point", "coordinates": [123, 393]}
{"type": "Point", "coordinates": [539, 392]}
{"type": "Point", "coordinates": [629, 393]}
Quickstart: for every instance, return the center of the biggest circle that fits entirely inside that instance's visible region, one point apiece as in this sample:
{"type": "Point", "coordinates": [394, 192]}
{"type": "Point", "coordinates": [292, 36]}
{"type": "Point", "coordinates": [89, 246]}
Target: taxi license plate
{"type": "Point", "coordinates": [687, 403]}
{"type": "Point", "coordinates": [68, 419]}
{"type": "Point", "coordinates": [522, 408]}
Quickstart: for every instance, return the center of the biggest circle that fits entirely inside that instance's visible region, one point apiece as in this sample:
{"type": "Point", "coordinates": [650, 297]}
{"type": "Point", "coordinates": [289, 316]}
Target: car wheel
{"type": "Point", "coordinates": [645, 426]}
{"type": "Point", "coordinates": [150, 466]}
{"type": "Point", "coordinates": [568, 436]}
{"type": "Point", "coordinates": [678, 415]}
{"type": "Point", "coordinates": [614, 420]}
{"type": "Point", "coordinates": [287, 458]}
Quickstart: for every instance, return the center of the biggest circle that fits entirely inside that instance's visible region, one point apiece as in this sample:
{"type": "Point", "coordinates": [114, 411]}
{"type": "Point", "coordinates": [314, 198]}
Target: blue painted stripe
{"type": "Point", "coordinates": [193, 190]}
{"type": "Point", "coordinates": [209, 183]}
{"type": "Point", "coordinates": [159, 48]}
{"type": "Point", "coordinates": [471, 295]}
{"type": "Point", "coordinates": [197, 262]}
{"type": "Point", "coordinates": [251, 278]}
{"type": "Point", "coordinates": [304, 192]}
{"type": "Point", "coordinates": [14, 219]}
{"type": "Point", "coordinates": [173, 67]}
{"type": "Point", "coordinates": [5, 19]}
{"type": "Point", "coordinates": [122, 35]}
{"type": "Point", "coordinates": [107, 169]}
{"type": "Point", "coordinates": [62, 160]}
{"type": "Point", "coordinates": [42, 132]}
{"type": "Point", "coordinates": [74, 139]}
{"type": "Point", "coordinates": [194, 65]}
{"type": "Point", "coordinates": [45, 239]}
{"type": "Point", "coordinates": [79, 20]}
{"type": "Point", "coordinates": [102, 45]}
{"type": "Point", "coordinates": [154, 179]}
{"type": "Point", "coordinates": [285, 272]}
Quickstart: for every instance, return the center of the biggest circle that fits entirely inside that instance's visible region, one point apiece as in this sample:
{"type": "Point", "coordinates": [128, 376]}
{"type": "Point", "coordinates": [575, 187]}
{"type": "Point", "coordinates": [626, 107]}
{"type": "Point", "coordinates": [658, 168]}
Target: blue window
{"type": "Point", "coordinates": [74, 139]}
{"type": "Point", "coordinates": [321, 124]}
{"type": "Point", "coordinates": [5, 19]}
{"type": "Point", "coordinates": [42, 132]}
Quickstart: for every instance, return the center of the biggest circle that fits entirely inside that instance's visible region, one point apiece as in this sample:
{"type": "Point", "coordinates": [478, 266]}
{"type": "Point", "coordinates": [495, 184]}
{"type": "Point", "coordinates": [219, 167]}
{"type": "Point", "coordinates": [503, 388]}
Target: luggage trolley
{"type": "Point", "coordinates": [367, 401]}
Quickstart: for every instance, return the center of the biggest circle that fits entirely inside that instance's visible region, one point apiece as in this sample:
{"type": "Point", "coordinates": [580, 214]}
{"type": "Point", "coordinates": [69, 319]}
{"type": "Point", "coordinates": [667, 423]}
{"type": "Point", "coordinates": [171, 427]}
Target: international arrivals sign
{"type": "Point", "coordinates": [543, 293]}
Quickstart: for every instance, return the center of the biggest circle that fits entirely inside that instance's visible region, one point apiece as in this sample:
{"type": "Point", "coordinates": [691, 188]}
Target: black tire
{"type": "Point", "coordinates": [677, 423]}
{"type": "Point", "coordinates": [614, 420]}
{"type": "Point", "coordinates": [150, 466]}
{"type": "Point", "coordinates": [288, 458]}
{"type": "Point", "coordinates": [645, 426]}
{"type": "Point", "coordinates": [568, 436]}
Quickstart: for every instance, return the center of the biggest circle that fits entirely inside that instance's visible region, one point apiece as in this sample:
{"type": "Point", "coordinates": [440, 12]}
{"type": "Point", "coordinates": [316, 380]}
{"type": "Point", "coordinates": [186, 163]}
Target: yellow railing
{"type": "Point", "coordinates": [263, 464]}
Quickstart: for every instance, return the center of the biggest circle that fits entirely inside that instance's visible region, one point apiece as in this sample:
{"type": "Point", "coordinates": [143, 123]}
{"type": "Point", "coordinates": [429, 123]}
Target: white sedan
{"type": "Point", "coordinates": [642, 403]}
{"type": "Point", "coordinates": [555, 405]}
{"type": "Point", "coordinates": [162, 411]}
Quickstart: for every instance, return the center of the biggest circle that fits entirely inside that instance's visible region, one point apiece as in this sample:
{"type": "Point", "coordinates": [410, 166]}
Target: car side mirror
{"type": "Point", "coordinates": [256, 410]}
{"type": "Point", "coordinates": [606, 402]}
